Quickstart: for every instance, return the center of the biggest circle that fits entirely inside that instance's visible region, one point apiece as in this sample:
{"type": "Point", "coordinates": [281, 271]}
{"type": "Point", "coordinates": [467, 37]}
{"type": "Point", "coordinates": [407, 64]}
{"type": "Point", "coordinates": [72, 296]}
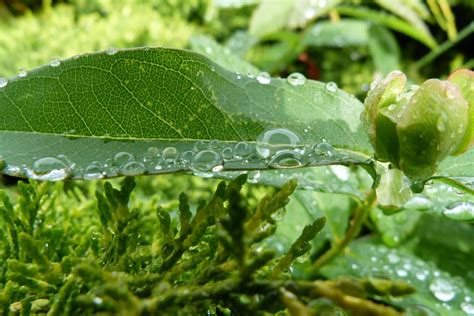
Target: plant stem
{"type": "Point", "coordinates": [360, 215]}
{"type": "Point", "coordinates": [444, 47]}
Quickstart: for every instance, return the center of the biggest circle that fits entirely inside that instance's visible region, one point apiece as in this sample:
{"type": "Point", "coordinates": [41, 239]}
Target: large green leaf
{"type": "Point", "coordinates": [438, 290]}
{"type": "Point", "coordinates": [156, 110]}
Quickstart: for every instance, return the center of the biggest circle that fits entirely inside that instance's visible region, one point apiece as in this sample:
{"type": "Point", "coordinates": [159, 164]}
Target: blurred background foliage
{"type": "Point", "coordinates": [350, 42]}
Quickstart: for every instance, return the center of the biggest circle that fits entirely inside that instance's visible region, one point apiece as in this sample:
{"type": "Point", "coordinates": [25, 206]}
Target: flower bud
{"type": "Point", "coordinates": [416, 128]}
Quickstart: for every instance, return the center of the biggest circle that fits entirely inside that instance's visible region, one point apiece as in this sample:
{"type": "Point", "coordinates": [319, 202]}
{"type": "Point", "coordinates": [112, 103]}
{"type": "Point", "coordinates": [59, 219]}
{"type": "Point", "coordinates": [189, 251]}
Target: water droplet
{"type": "Point", "coordinates": [49, 168]}
{"type": "Point", "coordinates": [331, 86]}
{"type": "Point", "coordinates": [55, 62]}
{"type": "Point", "coordinates": [111, 51]}
{"type": "Point", "coordinates": [242, 150]}
{"type": "Point", "coordinates": [296, 79]}
{"type": "Point", "coordinates": [278, 215]}
{"type": "Point", "coordinates": [440, 125]}
{"type": "Point", "coordinates": [152, 155]}
{"type": "Point", "coordinates": [3, 82]}
{"type": "Point", "coordinates": [422, 275]}
{"type": "Point", "coordinates": [97, 300]}
{"type": "Point", "coordinates": [450, 92]}
{"type": "Point", "coordinates": [391, 107]}
{"type": "Point", "coordinates": [227, 153]}
{"type": "Point", "coordinates": [443, 290]}
{"type": "Point", "coordinates": [200, 145]}
{"type": "Point", "coordinates": [402, 273]}
{"type": "Point", "coordinates": [287, 159]}
{"type": "Point", "coordinates": [393, 258]}
{"type": "Point", "coordinates": [170, 153]}
{"type": "Point", "coordinates": [93, 171]}
{"type": "Point", "coordinates": [205, 161]}
{"type": "Point", "coordinates": [467, 308]}
{"type": "Point", "coordinates": [271, 141]}
{"type": "Point", "coordinates": [122, 158]}
{"type": "Point", "coordinates": [264, 78]}
{"type": "Point", "coordinates": [188, 156]}
{"type": "Point", "coordinates": [323, 149]}
{"type": "Point", "coordinates": [418, 202]}
{"type": "Point", "coordinates": [132, 168]}
{"type": "Point", "coordinates": [214, 144]}
{"type": "Point", "coordinates": [22, 73]}
{"type": "Point", "coordinates": [461, 211]}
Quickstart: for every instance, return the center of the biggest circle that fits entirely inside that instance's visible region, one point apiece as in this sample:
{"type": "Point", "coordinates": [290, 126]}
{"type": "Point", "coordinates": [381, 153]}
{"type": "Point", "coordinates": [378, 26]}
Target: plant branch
{"type": "Point", "coordinates": [360, 215]}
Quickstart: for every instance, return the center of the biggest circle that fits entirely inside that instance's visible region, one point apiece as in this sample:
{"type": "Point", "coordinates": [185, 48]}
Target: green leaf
{"type": "Point", "coordinates": [347, 32]}
{"type": "Point", "coordinates": [223, 56]}
{"type": "Point", "coordinates": [384, 49]}
{"type": "Point", "coordinates": [389, 21]}
{"type": "Point", "coordinates": [270, 17]}
{"type": "Point", "coordinates": [437, 290]}
{"type": "Point", "coordinates": [157, 110]}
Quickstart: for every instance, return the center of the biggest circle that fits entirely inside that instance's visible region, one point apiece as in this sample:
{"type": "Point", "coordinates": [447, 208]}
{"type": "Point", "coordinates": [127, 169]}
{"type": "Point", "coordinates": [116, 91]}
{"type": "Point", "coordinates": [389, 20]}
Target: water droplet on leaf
{"type": "Point", "coordinates": [3, 82]}
{"type": "Point", "coordinates": [111, 51]}
{"type": "Point", "coordinates": [271, 141]}
{"type": "Point", "coordinates": [296, 79]}
{"type": "Point", "coordinates": [205, 161]}
{"type": "Point", "coordinates": [49, 168]}
{"type": "Point", "coordinates": [461, 211]}
{"type": "Point", "coordinates": [55, 62]}
{"type": "Point", "coordinates": [22, 73]}
{"type": "Point", "coordinates": [443, 290]}
{"type": "Point", "coordinates": [132, 168]}
{"type": "Point", "coordinates": [331, 86]}
{"type": "Point", "coordinates": [264, 78]}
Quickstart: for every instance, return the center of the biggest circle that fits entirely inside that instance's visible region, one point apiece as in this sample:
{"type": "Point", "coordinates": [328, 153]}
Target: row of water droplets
{"type": "Point", "coordinates": [449, 291]}
{"type": "Point", "coordinates": [444, 199]}
{"type": "Point", "coordinates": [55, 62]}
{"type": "Point", "coordinates": [294, 79]}
{"type": "Point", "coordinates": [274, 148]}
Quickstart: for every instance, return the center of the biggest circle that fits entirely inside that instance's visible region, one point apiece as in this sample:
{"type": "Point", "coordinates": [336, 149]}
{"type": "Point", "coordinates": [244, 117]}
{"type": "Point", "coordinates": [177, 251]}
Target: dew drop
{"type": "Point", "coordinates": [460, 211]}
{"type": "Point", "coordinates": [22, 73]}
{"type": "Point", "coordinates": [324, 149]}
{"type": "Point", "coordinates": [440, 124]}
{"type": "Point", "coordinates": [132, 168]}
{"type": "Point", "coordinates": [242, 150]}
{"type": "Point", "coordinates": [443, 290]}
{"type": "Point", "coordinates": [227, 153]}
{"type": "Point", "coordinates": [467, 308]}
{"type": "Point", "coordinates": [49, 168]}
{"type": "Point", "coordinates": [264, 78]}
{"type": "Point", "coordinates": [111, 51]}
{"type": "Point", "coordinates": [97, 300]}
{"type": "Point", "coordinates": [187, 156]}
{"type": "Point", "coordinates": [422, 275]}
{"type": "Point", "coordinates": [3, 82]}
{"type": "Point", "coordinates": [391, 107]}
{"type": "Point", "coordinates": [55, 62]}
{"type": "Point", "coordinates": [271, 141]}
{"type": "Point", "coordinates": [93, 171]}
{"type": "Point", "coordinates": [450, 92]}
{"type": "Point", "coordinates": [393, 258]}
{"type": "Point", "coordinates": [331, 86]}
{"type": "Point", "coordinates": [206, 160]}
{"type": "Point", "coordinates": [284, 159]}
{"type": "Point", "coordinates": [170, 153]}
{"type": "Point", "coordinates": [122, 158]}
{"type": "Point", "coordinates": [296, 79]}
{"type": "Point", "coordinates": [402, 273]}
{"type": "Point", "coordinates": [419, 202]}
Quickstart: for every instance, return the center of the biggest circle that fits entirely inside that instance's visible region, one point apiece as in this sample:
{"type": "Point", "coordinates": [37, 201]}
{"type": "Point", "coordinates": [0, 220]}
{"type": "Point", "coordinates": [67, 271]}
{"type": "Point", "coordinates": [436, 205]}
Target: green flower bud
{"type": "Point", "coordinates": [416, 128]}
